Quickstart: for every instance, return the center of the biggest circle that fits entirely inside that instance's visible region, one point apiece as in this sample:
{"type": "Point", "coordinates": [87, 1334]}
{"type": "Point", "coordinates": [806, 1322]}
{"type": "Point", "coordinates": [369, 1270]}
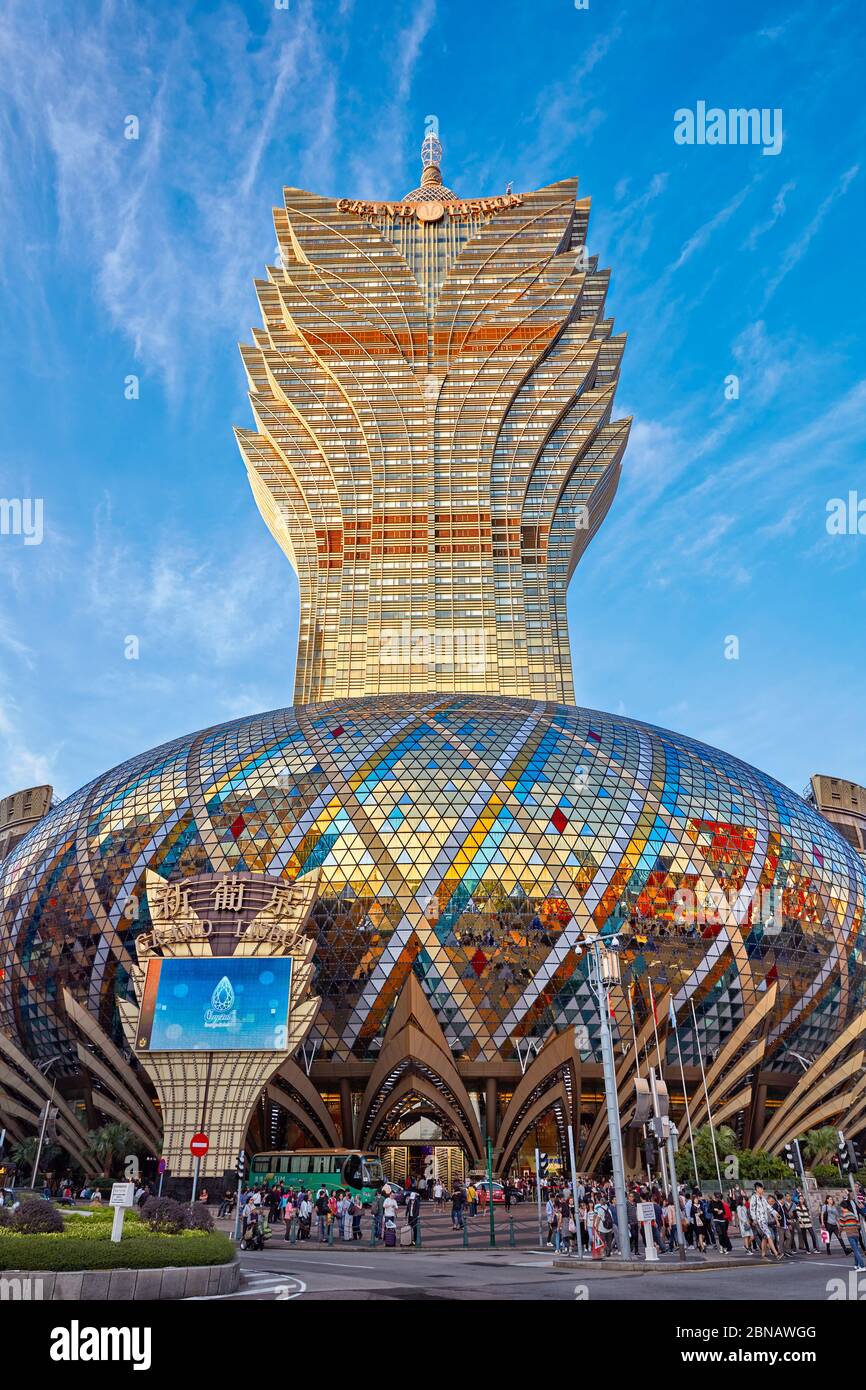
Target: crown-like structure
{"type": "Point", "coordinates": [434, 446]}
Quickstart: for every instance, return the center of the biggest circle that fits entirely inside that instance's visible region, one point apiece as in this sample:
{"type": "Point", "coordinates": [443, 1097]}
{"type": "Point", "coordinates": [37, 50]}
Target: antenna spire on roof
{"type": "Point", "coordinates": [431, 151]}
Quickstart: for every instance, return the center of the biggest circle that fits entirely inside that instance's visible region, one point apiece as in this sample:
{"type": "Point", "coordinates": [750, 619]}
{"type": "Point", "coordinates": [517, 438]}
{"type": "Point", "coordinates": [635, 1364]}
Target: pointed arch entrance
{"type": "Point", "coordinates": [415, 1079]}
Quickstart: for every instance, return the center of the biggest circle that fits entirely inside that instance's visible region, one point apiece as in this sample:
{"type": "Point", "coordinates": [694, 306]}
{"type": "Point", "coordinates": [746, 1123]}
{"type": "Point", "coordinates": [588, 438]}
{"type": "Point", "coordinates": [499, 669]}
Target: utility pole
{"type": "Point", "coordinates": [604, 971]}
{"type": "Point", "coordinates": [574, 1188]}
{"type": "Point", "coordinates": [241, 1166]}
{"type": "Point", "coordinates": [490, 1190]}
{"type": "Point", "coordinates": [848, 1157]}
{"type": "Point", "coordinates": [45, 1114]}
{"type": "Point", "coordinates": [664, 1135]}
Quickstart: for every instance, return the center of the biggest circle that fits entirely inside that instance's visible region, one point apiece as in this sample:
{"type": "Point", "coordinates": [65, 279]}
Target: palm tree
{"type": "Point", "coordinates": [817, 1145]}
{"type": "Point", "coordinates": [109, 1143]}
{"type": "Point", "coordinates": [726, 1143]}
{"type": "Point", "coordinates": [23, 1155]}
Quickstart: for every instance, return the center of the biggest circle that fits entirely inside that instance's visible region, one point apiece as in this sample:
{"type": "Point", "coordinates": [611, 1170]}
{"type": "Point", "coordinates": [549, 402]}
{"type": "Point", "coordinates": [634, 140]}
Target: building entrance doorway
{"type": "Point", "coordinates": [420, 1151]}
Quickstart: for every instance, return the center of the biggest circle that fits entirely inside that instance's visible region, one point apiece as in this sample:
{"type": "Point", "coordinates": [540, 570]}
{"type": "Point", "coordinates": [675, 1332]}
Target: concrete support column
{"type": "Point", "coordinates": [491, 1102]}
{"type": "Point", "coordinates": [757, 1117]}
{"type": "Point", "coordinates": [347, 1123]}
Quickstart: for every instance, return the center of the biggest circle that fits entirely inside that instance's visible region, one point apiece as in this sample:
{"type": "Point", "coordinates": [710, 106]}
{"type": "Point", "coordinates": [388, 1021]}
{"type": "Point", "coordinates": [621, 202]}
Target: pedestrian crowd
{"type": "Point", "coordinates": [770, 1225]}
{"type": "Point", "coordinates": [308, 1213]}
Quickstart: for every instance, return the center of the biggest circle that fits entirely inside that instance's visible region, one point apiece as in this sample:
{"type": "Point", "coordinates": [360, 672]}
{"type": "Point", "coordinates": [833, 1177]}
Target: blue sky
{"type": "Point", "coordinates": [122, 257]}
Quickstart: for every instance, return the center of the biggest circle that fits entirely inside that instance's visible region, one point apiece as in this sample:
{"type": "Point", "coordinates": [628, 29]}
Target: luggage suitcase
{"type": "Point", "coordinates": [406, 1235]}
{"type": "Point", "coordinates": [390, 1235]}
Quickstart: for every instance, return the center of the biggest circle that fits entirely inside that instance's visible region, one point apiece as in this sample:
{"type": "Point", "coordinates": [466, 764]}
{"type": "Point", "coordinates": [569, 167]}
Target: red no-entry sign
{"type": "Point", "coordinates": [198, 1145]}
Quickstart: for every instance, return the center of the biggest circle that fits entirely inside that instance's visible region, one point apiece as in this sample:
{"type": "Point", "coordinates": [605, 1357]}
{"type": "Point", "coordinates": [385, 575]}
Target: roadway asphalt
{"type": "Point", "coordinates": [313, 1272]}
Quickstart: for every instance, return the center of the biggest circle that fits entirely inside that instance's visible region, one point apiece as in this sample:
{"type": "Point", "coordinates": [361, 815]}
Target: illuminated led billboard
{"type": "Point", "coordinates": [216, 1004]}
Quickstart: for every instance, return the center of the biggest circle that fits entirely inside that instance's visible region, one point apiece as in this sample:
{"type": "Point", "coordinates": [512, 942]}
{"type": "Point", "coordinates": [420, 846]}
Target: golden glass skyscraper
{"type": "Point", "coordinates": [433, 391]}
{"type": "Point", "coordinates": [433, 395]}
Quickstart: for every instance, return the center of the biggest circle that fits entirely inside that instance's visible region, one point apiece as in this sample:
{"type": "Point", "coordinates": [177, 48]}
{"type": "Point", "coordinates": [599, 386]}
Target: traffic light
{"type": "Point", "coordinates": [242, 1163]}
{"type": "Point", "coordinates": [651, 1150]}
{"type": "Point", "coordinates": [843, 1151]}
{"type": "Point", "coordinates": [854, 1160]}
{"type": "Point", "coordinates": [790, 1158]}
{"type": "Point", "coordinates": [542, 1165]}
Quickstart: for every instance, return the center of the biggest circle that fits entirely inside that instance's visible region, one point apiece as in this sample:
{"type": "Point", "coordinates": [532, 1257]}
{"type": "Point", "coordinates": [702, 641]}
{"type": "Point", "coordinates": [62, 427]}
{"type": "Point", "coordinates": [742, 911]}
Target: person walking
{"type": "Point", "coordinates": [777, 1204]}
{"type": "Point", "coordinates": [346, 1218]}
{"type": "Point", "coordinates": [413, 1213]}
{"type": "Point", "coordinates": [699, 1222]}
{"type": "Point", "coordinates": [458, 1202]}
{"type": "Point", "coordinates": [746, 1233]}
{"type": "Point", "coordinates": [670, 1223]}
{"type": "Point", "coordinates": [305, 1216]}
{"type": "Point", "coordinates": [550, 1214]}
{"type": "Point", "coordinates": [288, 1214]}
{"type": "Point", "coordinates": [709, 1224]}
{"type": "Point", "coordinates": [379, 1213]}
{"type": "Point", "coordinates": [322, 1213]}
{"type": "Point", "coordinates": [608, 1229]}
{"type": "Point", "coordinates": [805, 1228]}
{"type": "Point", "coordinates": [720, 1213]}
{"type": "Point", "coordinates": [389, 1216]}
{"type": "Point", "coordinates": [762, 1221]}
{"type": "Point", "coordinates": [849, 1222]}
{"type": "Point", "coordinates": [633, 1223]}
{"type": "Point", "coordinates": [830, 1224]}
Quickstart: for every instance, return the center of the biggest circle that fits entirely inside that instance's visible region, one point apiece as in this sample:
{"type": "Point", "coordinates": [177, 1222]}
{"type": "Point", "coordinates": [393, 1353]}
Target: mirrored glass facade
{"type": "Point", "coordinates": [469, 840]}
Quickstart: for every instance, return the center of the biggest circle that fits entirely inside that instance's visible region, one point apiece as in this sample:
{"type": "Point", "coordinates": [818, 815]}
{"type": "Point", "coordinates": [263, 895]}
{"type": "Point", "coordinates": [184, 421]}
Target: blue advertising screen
{"type": "Point", "coordinates": [216, 1004]}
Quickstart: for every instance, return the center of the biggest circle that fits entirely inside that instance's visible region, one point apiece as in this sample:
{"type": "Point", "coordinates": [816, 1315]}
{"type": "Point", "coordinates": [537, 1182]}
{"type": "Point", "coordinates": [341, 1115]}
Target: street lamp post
{"type": "Point", "coordinates": [490, 1190]}
{"type": "Point", "coordinates": [604, 971]}
{"type": "Point", "coordinates": [45, 1113]}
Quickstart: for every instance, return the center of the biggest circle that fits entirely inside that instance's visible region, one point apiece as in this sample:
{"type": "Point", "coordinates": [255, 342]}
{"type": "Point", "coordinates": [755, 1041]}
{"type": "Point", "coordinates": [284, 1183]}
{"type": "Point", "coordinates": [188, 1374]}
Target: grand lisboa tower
{"type": "Point", "coordinates": [434, 446]}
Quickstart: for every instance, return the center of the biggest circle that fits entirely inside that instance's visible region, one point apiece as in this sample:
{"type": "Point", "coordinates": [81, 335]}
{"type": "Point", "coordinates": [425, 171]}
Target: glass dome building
{"type": "Point", "coordinates": [435, 447]}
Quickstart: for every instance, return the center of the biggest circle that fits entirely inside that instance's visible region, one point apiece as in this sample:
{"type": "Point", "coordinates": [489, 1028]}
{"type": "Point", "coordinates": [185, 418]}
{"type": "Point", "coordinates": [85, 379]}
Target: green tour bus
{"type": "Point", "coordinates": [315, 1168]}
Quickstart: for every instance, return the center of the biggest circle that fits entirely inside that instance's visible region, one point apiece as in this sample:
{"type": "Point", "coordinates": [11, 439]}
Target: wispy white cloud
{"type": "Point", "coordinates": [182, 599]}
{"type": "Point", "coordinates": [778, 211]}
{"type": "Point", "coordinates": [380, 160]}
{"type": "Point", "coordinates": [171, 225]}
{"type": "Point", "coordinates": [565, 111]}
{"type": "Point", "coordinates": [797, 250]}
{"type": "Point", "coordinates": [22, 766]}
{"type": "Point", "coordinates": [699, 239]}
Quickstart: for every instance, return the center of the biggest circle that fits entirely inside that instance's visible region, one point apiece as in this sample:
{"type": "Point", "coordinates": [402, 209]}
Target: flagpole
{"type": "Point", "coordinates": [633, 1032]}
{"type": "Point", "coordinates": [670, 1181]}
{"type": "Point", "coordinates": [637, 1065]}
{"type": "Point", "coordinates": [655, 1022]}
{"type": "Point", "coordinates": [685, 1094]}
{"type": "Point", "coordinates": [706, 1093]}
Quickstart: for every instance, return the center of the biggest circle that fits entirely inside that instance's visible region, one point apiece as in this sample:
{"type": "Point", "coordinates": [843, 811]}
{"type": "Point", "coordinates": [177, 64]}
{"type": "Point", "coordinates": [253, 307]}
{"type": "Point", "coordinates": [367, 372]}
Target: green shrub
{"type": "Point", "coordinates": [37, 1218]}
{"type": "Point", "coordinates": [757, 1163]}
{"type": "Point", "coordinates": [827, 1175]}
{"type": "Point", "coordinates": [84, 1228]}
{"type": "Point", "coordinates": [139, 1251]}
{"type": "Point", "coordinates": [198, 1218]}
{"type": "Point", "coordinates": [164, 1214]}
